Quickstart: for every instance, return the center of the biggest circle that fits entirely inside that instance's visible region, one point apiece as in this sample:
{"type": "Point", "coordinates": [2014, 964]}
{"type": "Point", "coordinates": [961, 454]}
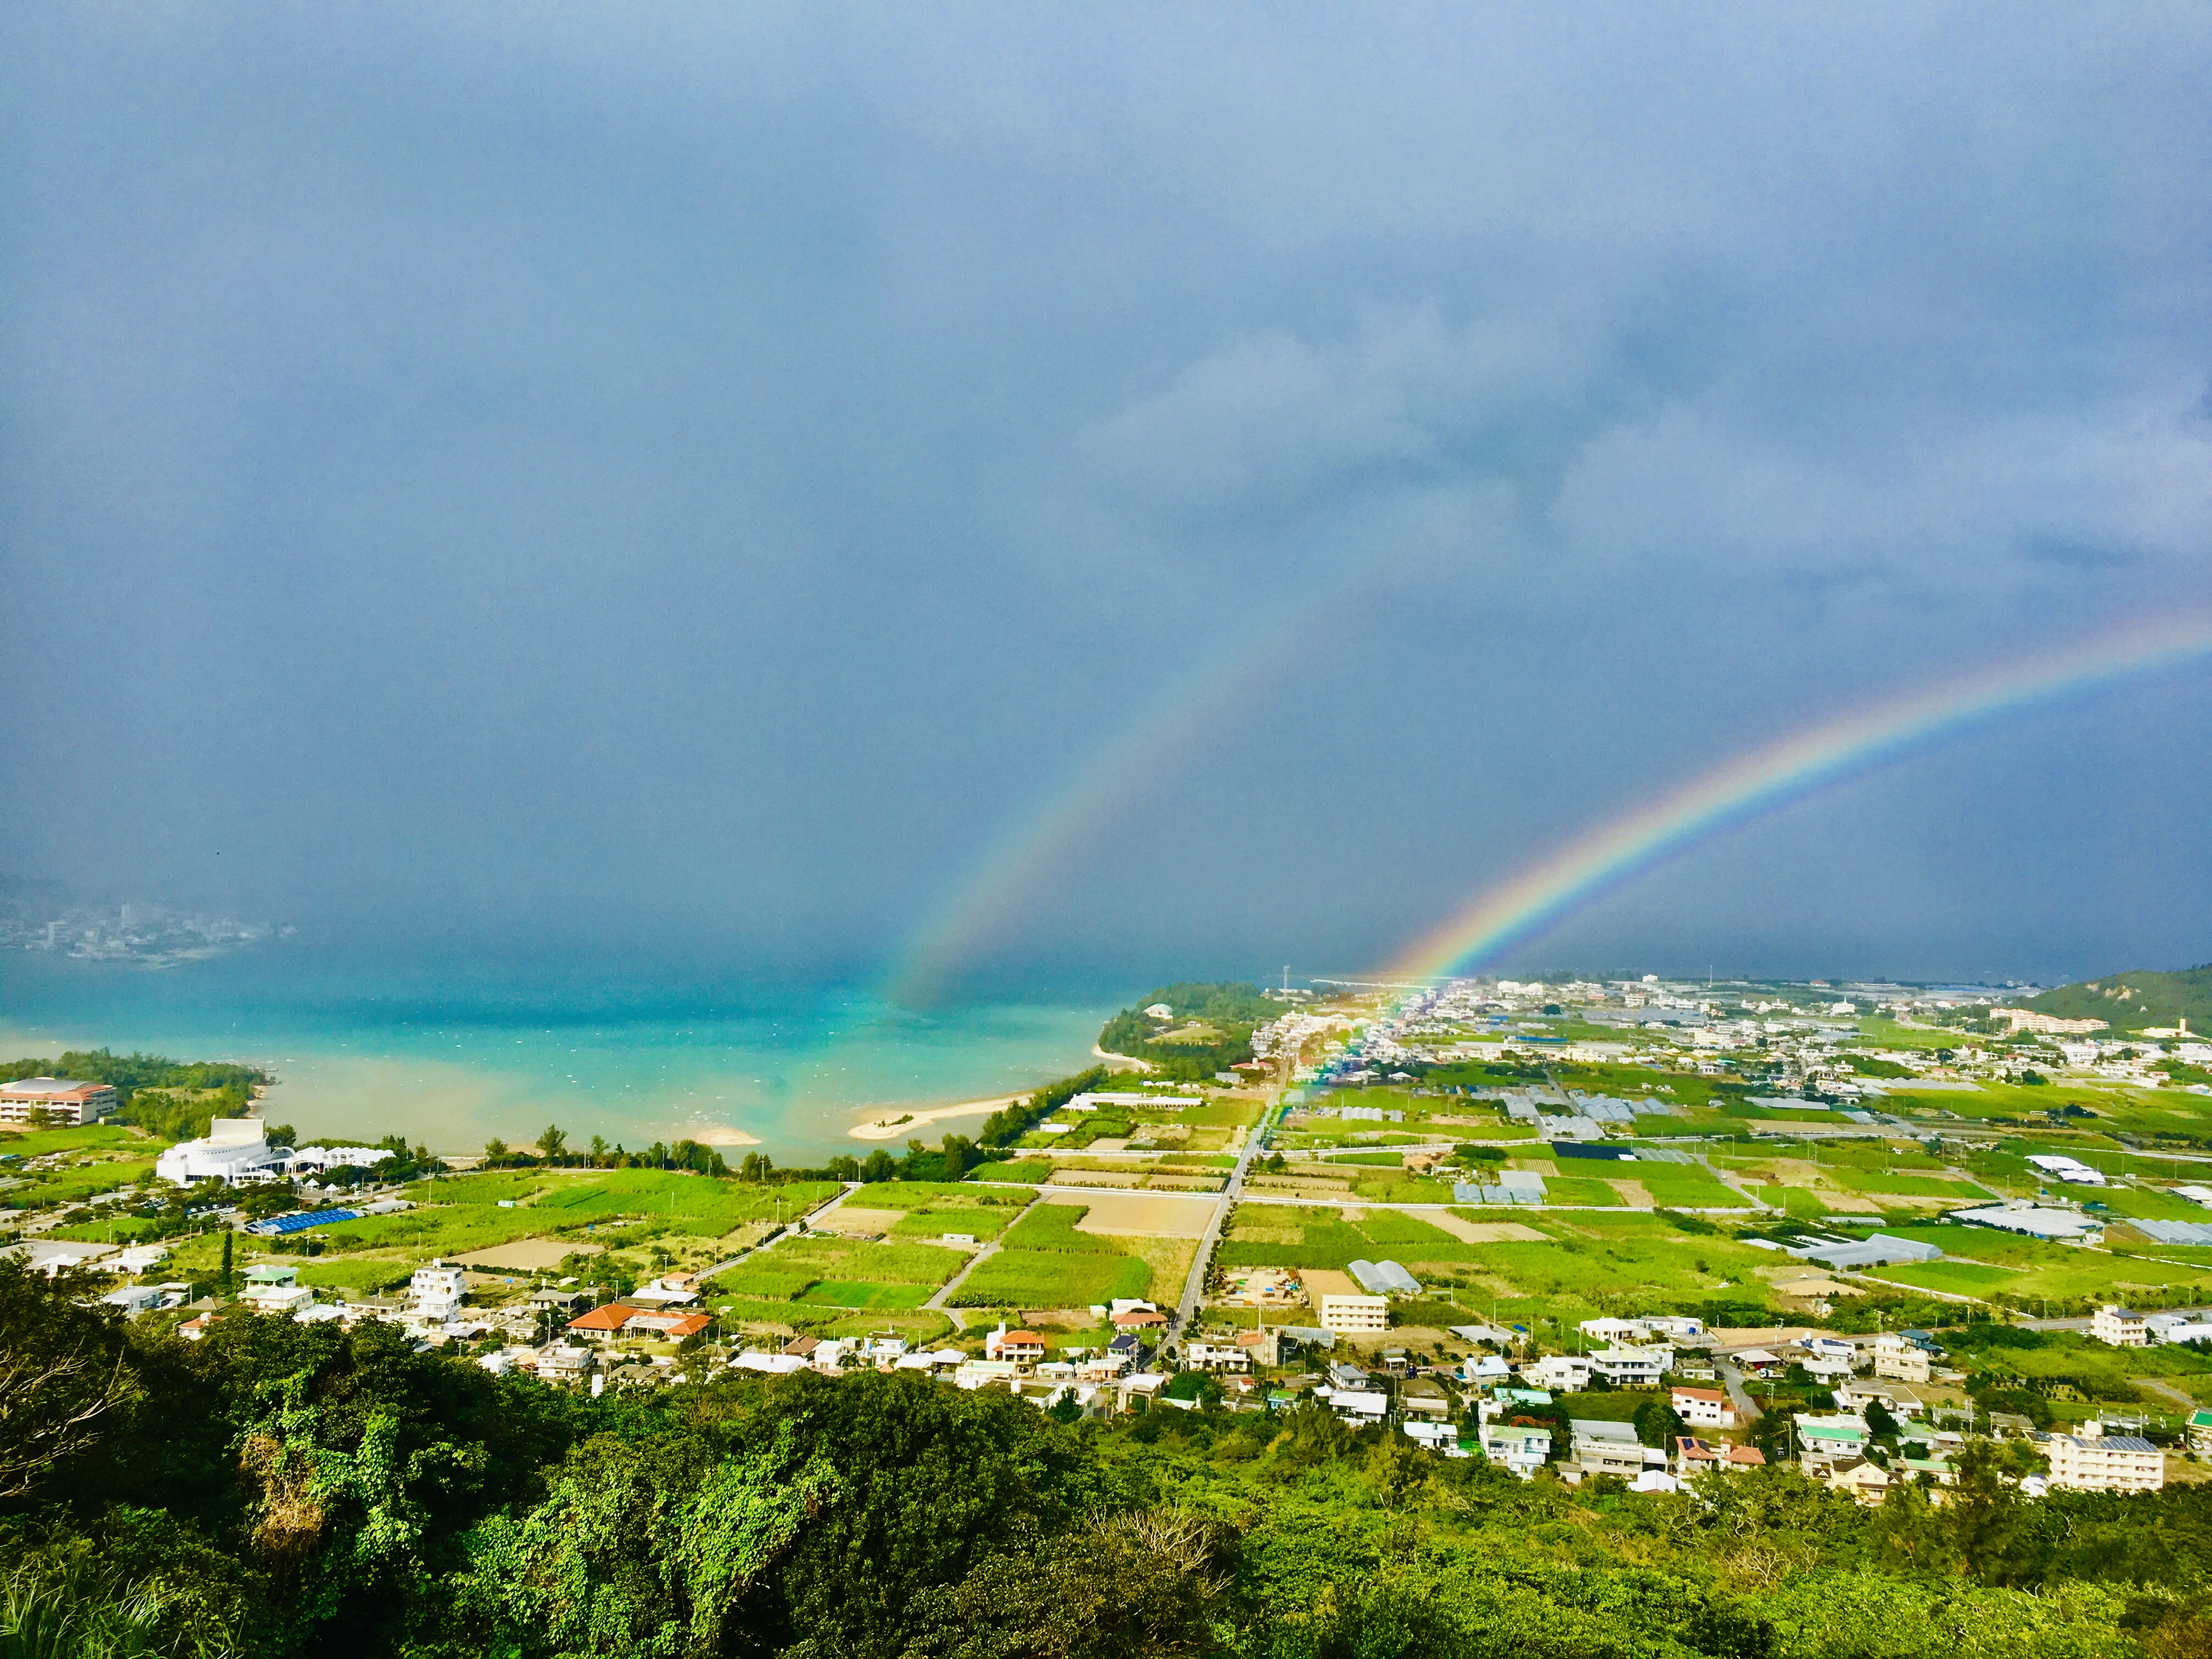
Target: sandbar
{"type": "Point", "coordinates": [884, 1128]}
{"type": "Point", "coordinates": [716, 1134]}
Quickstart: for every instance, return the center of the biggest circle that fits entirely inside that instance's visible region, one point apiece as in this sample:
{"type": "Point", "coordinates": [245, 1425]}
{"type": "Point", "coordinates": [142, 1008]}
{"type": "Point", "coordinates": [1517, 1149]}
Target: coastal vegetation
{"type": "Point", "coordinates": [1207, 1028]}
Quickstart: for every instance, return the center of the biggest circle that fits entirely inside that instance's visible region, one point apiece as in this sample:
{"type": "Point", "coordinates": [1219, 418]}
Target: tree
{"type": "Point", "coordinates": [598, 1150]}
{"type": "Point", "coordinates": [227, 1237]}
{"type": "Point", "coordinates": [552, 1142]}
{"type": "Point", "coordinates": [495, 1150]}
{"type": "Point", "coordinates": [64, 1377]}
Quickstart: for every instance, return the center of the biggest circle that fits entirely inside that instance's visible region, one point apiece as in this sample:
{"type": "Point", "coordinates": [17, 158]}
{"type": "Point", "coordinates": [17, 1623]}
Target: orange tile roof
{"type": "Point", "coordinates": [613, 1317]}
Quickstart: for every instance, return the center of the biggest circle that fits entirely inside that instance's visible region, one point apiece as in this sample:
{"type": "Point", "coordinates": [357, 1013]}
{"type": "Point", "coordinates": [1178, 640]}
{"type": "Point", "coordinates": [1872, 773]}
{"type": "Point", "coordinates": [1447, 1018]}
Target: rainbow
{"type": "Point", "coordinates": [1182, 713]}
{"type": "Point", "coordinates": [1769, 777]}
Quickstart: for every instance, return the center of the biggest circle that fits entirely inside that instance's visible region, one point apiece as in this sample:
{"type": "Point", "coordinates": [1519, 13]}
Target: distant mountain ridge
{"type": "Point", "coordinates": [2136, 999]}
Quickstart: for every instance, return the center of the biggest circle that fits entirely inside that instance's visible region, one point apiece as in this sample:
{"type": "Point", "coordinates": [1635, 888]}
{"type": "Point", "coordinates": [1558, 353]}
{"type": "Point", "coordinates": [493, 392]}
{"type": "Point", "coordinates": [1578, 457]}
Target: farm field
{"type": "Point", "coordinates": [1125, 1214]}
{"type": "Point", "coordinates": [1050, 1260]}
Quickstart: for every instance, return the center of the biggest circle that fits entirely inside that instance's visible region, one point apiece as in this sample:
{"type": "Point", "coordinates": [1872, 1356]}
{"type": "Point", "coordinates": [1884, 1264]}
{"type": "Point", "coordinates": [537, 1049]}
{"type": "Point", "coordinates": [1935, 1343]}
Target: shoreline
{"type": "Point", "coordinates": [879, 1128]}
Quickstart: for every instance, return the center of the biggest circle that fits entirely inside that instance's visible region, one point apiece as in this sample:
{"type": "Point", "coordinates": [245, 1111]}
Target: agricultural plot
{"type": "Point", "coordinates": [90, 1138]}
{"type": "Point", "coordinates": [1283, 1236]}
{"type": "Point", "coordinates": [1050, 1262]}
{"type": "Point", "coordinates": [829, 1272]}
{"type": "Point", "coordinates": [77, 1182]}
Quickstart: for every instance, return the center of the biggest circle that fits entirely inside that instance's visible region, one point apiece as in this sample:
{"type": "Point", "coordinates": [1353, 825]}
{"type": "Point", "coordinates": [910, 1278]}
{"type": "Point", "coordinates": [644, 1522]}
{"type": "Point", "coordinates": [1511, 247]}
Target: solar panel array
{"type": "Point", "coordinates": [278, 1227]}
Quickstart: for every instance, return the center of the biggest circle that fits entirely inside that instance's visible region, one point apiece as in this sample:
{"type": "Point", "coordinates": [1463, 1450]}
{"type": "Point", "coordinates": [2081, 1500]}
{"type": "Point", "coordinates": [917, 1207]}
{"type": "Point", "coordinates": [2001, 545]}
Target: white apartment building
{"type": "Point", "coordinates": [2122, 1328]}
{"type": "Point", "coordinates": [1900, 1359]}
{"type": "Point", "coordinates": [438, 1291]}
{"type": "Point", "coordinates": [2093, 1461]}
{"type": "Point", "coordinates": [1603, 1448]}
{"type": "Point", "coordinates": [1355, 1315]}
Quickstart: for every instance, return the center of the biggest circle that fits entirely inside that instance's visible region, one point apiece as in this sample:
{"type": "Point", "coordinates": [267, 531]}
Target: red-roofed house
{"type": "Point", "coordinates": [601, 1322]}
{"type": "Point", "coordinates": [1704, 1408]}
{"type": "Point", "coordinates": [1695, 1456]}
{"type": "Point", "coordinates": [1022, 1347]}
{"type": "Point", "coordinates": [1138, 1319]}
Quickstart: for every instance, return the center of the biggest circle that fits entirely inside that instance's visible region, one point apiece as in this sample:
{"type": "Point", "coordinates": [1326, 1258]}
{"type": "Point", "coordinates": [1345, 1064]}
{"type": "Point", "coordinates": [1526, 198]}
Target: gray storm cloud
{"type": "Point", "coordinates": [690, 478]}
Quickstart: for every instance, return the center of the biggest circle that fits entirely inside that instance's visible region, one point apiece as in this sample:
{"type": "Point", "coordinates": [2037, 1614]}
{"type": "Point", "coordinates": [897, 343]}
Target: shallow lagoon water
{"type": "Point", "coordinates": [453, 1055]}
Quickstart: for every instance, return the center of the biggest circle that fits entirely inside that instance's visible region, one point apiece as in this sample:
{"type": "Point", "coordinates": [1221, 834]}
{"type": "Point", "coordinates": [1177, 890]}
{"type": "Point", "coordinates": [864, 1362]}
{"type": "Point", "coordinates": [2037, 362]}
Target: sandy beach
{"type": "Point", "coordinates": [881, 1128]}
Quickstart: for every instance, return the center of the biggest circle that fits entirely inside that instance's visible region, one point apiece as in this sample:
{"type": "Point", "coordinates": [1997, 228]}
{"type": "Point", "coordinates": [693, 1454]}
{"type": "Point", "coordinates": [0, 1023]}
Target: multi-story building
{"type": "Point", "coordinates": [1607, 1447]}
{"type": "Point", "coordinates": [1355, 1315]}
{"type": "Point", "coordinates": [438, 1291]}
{"type": "Point", "coordinates": [2092, 1461]}
{"type": "Point", "coordinates": [1823, 1441]}
{"type": "Point", "coordinates": [61, 1100]}
{"type": "Point", "coordinates": [1567, 1373]}
{"type": "Point", "coordinates": [2200, 1432]}
{"type": "Point", "coordinates": [1518, 1447]}
{"type": "Point", "coordinates": [2122, 1328]}
{"type": "Point", "coordinates": [234, 1149]}
{"type": "Point", "coordinates": [1631, 1367]}
{"type": "Point", "coordinates": [1899, 1359]}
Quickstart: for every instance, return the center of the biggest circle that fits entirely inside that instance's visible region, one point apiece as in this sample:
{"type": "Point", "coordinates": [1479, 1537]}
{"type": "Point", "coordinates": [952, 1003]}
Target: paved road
{"type": "Point", "coordinates": [1194, 1286]}
{"type": "Point", "coordinates": [1746, 1409]}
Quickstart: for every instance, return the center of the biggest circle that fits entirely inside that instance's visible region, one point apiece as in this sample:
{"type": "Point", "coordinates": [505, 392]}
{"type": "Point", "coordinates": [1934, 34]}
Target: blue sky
{"type": "Point", "coordinates": [696, 477]}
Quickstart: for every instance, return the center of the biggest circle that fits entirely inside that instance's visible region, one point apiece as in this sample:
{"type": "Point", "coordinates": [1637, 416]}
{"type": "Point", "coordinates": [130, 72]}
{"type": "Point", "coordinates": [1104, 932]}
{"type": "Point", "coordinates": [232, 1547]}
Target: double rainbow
{"type": "Point", "coordinates": [1785, 770]}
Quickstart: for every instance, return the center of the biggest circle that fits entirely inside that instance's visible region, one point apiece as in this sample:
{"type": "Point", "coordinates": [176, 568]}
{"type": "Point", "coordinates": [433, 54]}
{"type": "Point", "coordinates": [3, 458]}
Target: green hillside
{"type": "Point", "coordinates": [2136, 999]}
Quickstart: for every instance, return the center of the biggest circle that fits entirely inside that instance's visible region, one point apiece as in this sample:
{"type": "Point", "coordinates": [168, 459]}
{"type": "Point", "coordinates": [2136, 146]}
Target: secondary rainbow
{"type": "Point", "coordinates": [1775, 774]}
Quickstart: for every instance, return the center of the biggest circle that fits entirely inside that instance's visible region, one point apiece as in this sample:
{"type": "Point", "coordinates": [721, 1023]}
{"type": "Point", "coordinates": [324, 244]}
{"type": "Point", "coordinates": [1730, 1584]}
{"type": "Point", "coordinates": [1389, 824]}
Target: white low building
{"type": "Point", "coordinates": [1631, 1367]}
{"type": "Point", "coordinates": [1355, 1315]}
{"type": "Point", "coordinates": [234, 1149]}
{"type": "Point", "coordinates": [1562, 1373]}
{"type": "Point", "coordinates": [1704, 1408]}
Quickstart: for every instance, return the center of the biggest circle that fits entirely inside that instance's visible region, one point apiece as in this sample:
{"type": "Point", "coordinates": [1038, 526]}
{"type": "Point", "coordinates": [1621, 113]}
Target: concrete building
{"type": "Point", "coordinates": [1900, 1359]}
{"type": "Point", "coordinates": [1355, 1315]}
{"type": "Point", "coordinates": [2093, 1461]}
{"type": "Point", "coordinates": [1704, 1408]}
{"type": "Point", "coordinates": [1606, 1448]}
{"type": "Point", "coordinates": [1564, 1373]}
{"type": "Point", "coordinates": [2120, 1328]}
{"type": "Point", "coordinates": [438, 1291]}
{"type": "Point", "coordinates": [1518, 1447]}
{"type": "Point", "coordinates": [1631, 1367]}
{"type": "Point", "coordinates": [234, 1149]}
{"type": "Point", "coordinates": [2200, 1432]}
{"type": "Point", "coordinates": [63, 1099]}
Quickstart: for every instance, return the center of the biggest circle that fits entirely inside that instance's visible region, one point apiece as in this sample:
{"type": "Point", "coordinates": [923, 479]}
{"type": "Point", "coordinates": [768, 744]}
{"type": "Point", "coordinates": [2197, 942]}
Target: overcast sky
{"type": "Point", "coordinates": [700, 476]}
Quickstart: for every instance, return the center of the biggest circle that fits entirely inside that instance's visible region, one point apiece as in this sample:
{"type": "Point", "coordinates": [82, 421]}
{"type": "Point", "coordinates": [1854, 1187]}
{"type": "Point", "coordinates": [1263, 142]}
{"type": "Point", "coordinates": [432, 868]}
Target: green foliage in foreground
{"type": "Point", "coordinates": [282, 1490]}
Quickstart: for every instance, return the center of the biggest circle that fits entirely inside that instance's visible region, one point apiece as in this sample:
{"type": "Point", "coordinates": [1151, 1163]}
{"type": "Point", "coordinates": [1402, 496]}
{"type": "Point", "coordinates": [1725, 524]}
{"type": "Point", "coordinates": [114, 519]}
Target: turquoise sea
{"type": "Point", "coordinates": [454, 1054]}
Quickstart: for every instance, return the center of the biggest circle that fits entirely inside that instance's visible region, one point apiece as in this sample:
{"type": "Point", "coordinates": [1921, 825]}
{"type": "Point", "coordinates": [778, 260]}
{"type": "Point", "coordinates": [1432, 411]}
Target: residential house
{"type": "Point", "coordinates": [1693, 1455]}
{"type": "Point", "coordinates": [272, 1288]}
{"type": "Point", "coordinates": [1825, 1440]}
{"type": "Point", "coordinates": [1358, 1407]}
{"type": "Point", "coordinates": [2091, 1460]}
{"type": "Point", "coordinates": [2200, 1432]}
{"type": "Point", "coordinates": [1939, 1470]}
{"type": "Point", "coordinates": [1520, 1447]}
{"type": "Point", "coordinates": [2121, 1327]}
{"type": "Point", "coordinates": [1214, 1355]}
{"type": "Point", "coordinates": [1855, 1395]}
{"type": "Point", "coordinates": [1899, 1359]}
{"type": "Point", "coordinates": [1607, 1447]}
{"type": "Point", "coordinates": [1423, 1397]}
{"type": "Point", "coordinates": [1865, 1482]}
{"type": "Point", "coordinates": [1022, 1347]}
{"type": "Point", "coordinates": [1563, 1373]}
{"type": "Point", "coordinates": [1631, 1367]}
{"type": "Point", "coordinates": [1612, 1331]}
{"type": "Point", "coordinates": [1704, 1408]}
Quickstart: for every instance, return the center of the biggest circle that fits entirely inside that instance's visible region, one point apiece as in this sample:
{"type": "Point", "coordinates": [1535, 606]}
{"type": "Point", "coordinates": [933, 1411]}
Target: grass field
{"type": "Point", "coordinates": [1053, 1278]}
{"type": "Point", "coordinates": [90, 1138]}
{"type": "Point", "coordinates": [77, 1182]}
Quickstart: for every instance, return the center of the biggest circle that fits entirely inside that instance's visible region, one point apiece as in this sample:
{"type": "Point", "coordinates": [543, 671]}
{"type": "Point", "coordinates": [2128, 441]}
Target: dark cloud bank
{"type": "Point", "coordinates": [690, 478]}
